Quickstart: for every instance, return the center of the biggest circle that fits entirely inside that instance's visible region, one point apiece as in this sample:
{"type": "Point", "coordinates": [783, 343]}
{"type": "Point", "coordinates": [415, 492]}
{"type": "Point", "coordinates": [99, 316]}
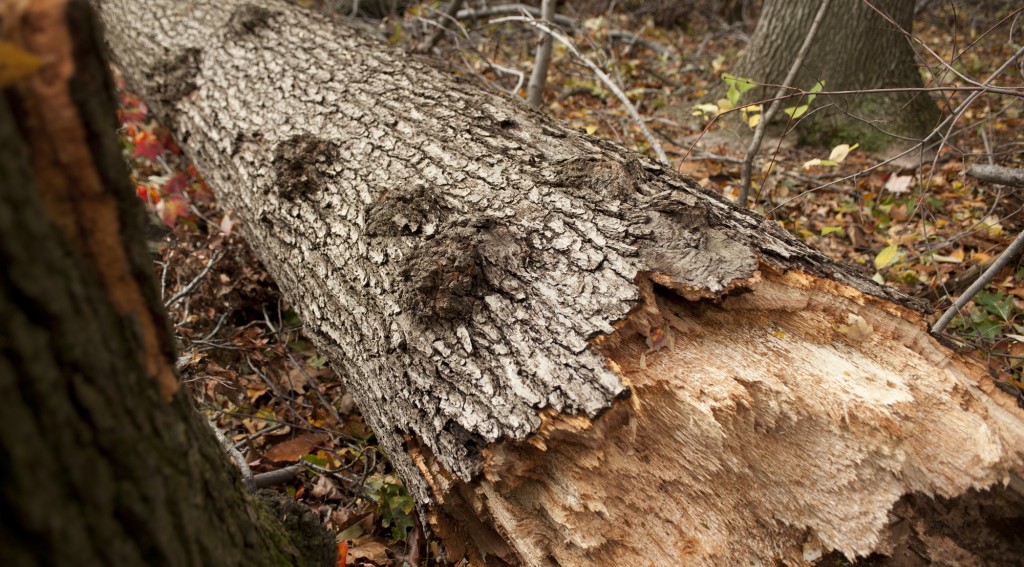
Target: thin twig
{"type": "Point", "coordinates": [212, 333]}
{"type": "Point", "coordinates": [539, 76]}
{"type": "Point", "coordinates": [655, 144]}
{"type": "Point", "coordinates": [755, 142]}
{"type": "Point", "coordinates": [635, 39]}
{"type": "Point", "coordinates": [236, 456]}
{"type": "Point", "coordinates": [513, 9]}
{"type": "Point", "coordinates": [445, 20]}
{"type": "Point", "coordinates": [313, 384]}
{"type": "Point", "coordinates": [163, 275]}
{"type": "Point", "coordinates": [195, 282]}
{"type": "Point", "coordinates": [250, 438]}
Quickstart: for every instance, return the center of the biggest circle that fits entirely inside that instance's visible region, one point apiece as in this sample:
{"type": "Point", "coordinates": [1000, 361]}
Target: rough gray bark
{"type": "Point", "coordinates": [102, 460]}
{"type": "Point", "coordinates": [997, 174]}
{"type": "Point", "coordinates": [855, 49]}
{"type": "Point", "coordinates": [542, 327]}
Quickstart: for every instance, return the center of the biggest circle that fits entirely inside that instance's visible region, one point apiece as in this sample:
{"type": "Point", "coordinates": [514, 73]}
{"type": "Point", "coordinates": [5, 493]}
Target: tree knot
{"type": "Point", "coordinates": [406, 211]}
{"type": "Point", "coordinates": [446, 275]}
{"type": "Point", "coordinates": [249, 19]}
{"type": "Point", "coordinates": [606, 178]}
{"type": "Point", "coordinates": [176, 77]}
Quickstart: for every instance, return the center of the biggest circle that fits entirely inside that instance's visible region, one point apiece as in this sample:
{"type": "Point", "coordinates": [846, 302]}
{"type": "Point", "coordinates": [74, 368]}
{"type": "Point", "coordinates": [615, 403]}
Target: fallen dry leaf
{"type": "Point", "coordinates": [293, 449]}
{"type": "Point", "coordinates": [898, 184]}
{"type": "Point", "coordinates": [370, 550]}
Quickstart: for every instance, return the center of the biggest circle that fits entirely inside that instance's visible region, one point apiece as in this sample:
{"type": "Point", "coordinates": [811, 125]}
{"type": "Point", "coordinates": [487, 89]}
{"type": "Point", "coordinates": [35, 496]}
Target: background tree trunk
{"type": "Point", "coordinates": [572, 355]}
{"type": "Point", "coordinates": [103, 460]}
{"type": "Point", "coordinates": [856, 48]}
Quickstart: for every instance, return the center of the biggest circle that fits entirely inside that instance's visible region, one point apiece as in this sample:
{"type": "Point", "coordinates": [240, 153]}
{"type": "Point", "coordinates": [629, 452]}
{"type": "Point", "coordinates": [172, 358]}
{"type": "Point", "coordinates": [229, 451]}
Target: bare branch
{"type": "Point", "coordinates": [287, 474]}
{"type": "Point", "coordinates": [997, 174]}
{"type": "Point", "coordinates": [949, 122]}
{"type": "Point", "coordinates": [608, 82]}
{"type": "Point", "coordinates": [1007, 256]}
{"type": "Point", "coordinates": [632, 38]}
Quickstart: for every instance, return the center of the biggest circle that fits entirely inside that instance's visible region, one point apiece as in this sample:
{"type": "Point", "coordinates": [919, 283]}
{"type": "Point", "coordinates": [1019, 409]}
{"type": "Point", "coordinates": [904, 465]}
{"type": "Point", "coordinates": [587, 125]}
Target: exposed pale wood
{"type": "Point", "coordinates": [489, 283]}
{"type": "Point", "coordinates": [759, 417]}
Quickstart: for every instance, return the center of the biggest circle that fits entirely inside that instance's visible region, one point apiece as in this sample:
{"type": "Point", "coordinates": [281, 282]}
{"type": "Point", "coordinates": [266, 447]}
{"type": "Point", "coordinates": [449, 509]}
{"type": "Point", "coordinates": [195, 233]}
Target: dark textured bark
{"type": "Point", "coordinates": [572, 355]}
{"type": "Point", "coordinates": [856, 48]}
{"type": "Point", "coordinates": [103, 461]}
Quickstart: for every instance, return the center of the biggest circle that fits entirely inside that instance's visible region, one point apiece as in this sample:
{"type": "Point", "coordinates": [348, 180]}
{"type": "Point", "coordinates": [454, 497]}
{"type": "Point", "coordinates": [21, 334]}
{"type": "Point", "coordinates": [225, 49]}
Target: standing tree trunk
{"type": "Point", "coordinates": [103, 460]}
{"type": "Point", "coordinates": [572, 355]}
{"type": "Point", "coordinates": [856, 48]}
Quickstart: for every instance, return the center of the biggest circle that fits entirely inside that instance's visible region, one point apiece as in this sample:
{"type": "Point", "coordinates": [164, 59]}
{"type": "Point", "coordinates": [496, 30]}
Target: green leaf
{"type": "Point", "coordinates": [996, 303]}
{"type": "Point", "coordinates": [318, 361]}
{"type": "Point", "coordinates": [795, 112]}
{"type": "Point", "coordinates": [987, 328]}
{"type": "Point", "coordinates": [315, 460]}
{"type": "Point", "coordinates": [827, 230]}
{"type": "Point", "coordinates": [292, 318]}
{"type": "Point", "coordinates": [396, 34]}
{"type": "Point", "coordinates": [887, 256]}
{"type": "Point", "coordinates": [737, 86]}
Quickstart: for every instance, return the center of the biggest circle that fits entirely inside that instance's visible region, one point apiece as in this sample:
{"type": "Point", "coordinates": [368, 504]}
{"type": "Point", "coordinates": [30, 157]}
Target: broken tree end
{"type": "Point", "coordinates": [780, 421]}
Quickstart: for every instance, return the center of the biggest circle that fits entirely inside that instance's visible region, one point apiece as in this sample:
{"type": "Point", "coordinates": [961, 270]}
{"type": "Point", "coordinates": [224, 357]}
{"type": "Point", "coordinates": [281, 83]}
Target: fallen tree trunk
{"type": "Point", "coordinates": [572, 355]}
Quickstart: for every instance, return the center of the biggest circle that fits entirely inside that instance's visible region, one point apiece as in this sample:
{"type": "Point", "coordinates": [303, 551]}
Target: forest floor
{"type": "Point", "coordinates": [922, 226]}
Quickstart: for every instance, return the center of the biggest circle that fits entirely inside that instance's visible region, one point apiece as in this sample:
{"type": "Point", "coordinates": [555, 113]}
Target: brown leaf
{"type": "Point", "coordinates": [370, 550]}
{"type": "Point", "coordinates": [295, 381]}
{"type": "Point", "coordinates": [325, 489]}
{"type": "Point", "coordinates": [293, 449]}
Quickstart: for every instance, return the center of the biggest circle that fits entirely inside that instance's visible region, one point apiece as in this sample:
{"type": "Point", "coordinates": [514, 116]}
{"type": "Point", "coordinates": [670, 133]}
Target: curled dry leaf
{"type": "Point", "coordinates": [325, 489]}
{"type": "Point", "coordinates": [369, 550]}
{"type": "Point", "coordinates": [899, 184]}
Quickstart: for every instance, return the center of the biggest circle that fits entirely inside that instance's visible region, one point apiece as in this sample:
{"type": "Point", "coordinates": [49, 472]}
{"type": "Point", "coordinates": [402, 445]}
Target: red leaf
{"type": "Point", "coordinates": [173, 207]}
{"type": "Point", "coordinates": [147, 145]}
{"type": "Point", "coordinates": [176, 184]}
{"type": "Point", "coordinates": [343, 554]}
{"type": "Point", "coordinates": [168, 141]}
{"type": "Point", "coordinates": [127, 115]}
{"type": "Point", "coordinates": [147, 193]}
